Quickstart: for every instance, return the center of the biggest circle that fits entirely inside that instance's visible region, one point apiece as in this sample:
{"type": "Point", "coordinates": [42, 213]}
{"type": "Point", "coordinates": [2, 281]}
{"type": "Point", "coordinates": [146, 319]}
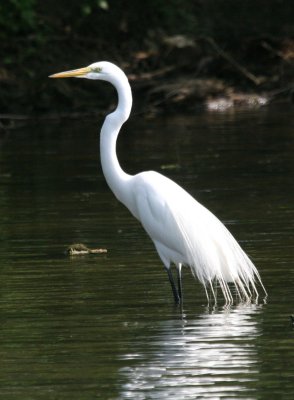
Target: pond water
{"type": "Point", "coordinates": [105, 326]}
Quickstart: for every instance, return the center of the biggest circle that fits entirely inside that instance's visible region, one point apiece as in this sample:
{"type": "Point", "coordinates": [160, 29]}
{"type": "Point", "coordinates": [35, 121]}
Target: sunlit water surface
{"type": "Point", "coordinates": [104, 326]}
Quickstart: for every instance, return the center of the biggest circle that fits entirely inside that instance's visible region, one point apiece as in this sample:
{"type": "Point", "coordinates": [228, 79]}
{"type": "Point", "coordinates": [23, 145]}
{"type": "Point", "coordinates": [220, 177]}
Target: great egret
{"type": "Point", "coordinates": [183, 231]}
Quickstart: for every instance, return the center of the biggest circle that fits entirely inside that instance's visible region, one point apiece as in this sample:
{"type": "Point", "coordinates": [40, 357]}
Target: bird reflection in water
{"type": "Point", "coordinates": [212, 356]}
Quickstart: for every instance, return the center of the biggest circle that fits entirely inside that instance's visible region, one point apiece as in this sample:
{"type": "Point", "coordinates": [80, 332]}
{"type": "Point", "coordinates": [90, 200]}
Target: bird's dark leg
{"type": "Point", "coordinates": [174, 289]}
{"type": "Point", "coordinates": [180, 290]}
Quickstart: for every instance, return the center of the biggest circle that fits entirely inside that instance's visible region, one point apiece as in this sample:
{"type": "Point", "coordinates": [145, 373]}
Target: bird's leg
{"type": "Point", "coordinates": [173, 286]}
{"type": "Point", "coordinates": [180, 290]}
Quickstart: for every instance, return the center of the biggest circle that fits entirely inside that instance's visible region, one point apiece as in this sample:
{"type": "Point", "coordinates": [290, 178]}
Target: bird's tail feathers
{"type": "Point", "coordinates": [215, 261]}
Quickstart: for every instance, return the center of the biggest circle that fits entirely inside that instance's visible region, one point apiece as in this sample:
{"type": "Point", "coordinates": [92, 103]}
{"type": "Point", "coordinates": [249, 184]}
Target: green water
{"type": "Point", "coordinates": [105, 326]}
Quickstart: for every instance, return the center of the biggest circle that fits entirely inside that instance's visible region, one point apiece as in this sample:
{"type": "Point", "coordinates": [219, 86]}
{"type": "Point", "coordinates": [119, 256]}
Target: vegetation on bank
{"type": "Point", "coordinates": [177, 53]}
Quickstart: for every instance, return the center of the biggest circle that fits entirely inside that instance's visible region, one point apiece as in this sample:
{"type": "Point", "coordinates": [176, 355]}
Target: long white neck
{"type": "Point", "coordinates": [116, 178]}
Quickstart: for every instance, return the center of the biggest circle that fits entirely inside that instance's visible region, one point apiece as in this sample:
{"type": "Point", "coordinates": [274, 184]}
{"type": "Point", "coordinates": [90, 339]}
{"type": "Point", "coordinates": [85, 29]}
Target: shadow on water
{"type": "Point", "coordinates": [104, 326]}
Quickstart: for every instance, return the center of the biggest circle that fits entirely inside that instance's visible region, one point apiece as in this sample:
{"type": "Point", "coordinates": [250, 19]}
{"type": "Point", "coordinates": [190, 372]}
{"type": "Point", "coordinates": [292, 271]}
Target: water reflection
{"type": "Point", "coordinates": [211, 356]}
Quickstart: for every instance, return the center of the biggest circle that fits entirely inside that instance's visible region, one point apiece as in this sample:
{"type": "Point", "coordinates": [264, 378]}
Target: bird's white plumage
{"type": "Point", "coordinates": [183, 231]}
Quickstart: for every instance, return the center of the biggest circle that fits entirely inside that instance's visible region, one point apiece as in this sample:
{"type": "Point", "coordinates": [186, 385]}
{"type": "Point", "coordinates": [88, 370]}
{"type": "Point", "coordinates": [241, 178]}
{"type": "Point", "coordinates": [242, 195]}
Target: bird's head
{"type": "Point", "coordinates": [102, 70]}
{"type": "Point", "coordinates": [106, 71]}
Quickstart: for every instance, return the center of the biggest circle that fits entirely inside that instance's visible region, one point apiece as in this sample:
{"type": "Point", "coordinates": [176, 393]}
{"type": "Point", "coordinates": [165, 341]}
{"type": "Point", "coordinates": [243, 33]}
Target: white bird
{"type": "Point", "coordinates": [183, 231]}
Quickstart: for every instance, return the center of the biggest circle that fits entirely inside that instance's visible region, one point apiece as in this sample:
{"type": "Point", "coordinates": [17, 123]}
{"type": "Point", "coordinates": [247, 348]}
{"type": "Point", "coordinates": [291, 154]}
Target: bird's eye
{"type": "Point", "coordinates": [97, 69]}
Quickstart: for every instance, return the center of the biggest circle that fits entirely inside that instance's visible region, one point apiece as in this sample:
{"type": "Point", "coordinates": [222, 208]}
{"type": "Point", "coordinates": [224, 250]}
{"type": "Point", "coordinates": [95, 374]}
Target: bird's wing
{"type": "Point", "coordinates": [187, 232]}
{"type": "Point", "coordinates": [175, 222]}
{"type": "Point", "coordinates": [156, 197]}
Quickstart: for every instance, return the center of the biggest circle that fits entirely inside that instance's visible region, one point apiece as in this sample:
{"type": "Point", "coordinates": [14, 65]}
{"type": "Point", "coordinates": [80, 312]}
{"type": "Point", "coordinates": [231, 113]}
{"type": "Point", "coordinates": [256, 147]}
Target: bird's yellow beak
{"type": "Point", "coordinates": [78, 73]}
